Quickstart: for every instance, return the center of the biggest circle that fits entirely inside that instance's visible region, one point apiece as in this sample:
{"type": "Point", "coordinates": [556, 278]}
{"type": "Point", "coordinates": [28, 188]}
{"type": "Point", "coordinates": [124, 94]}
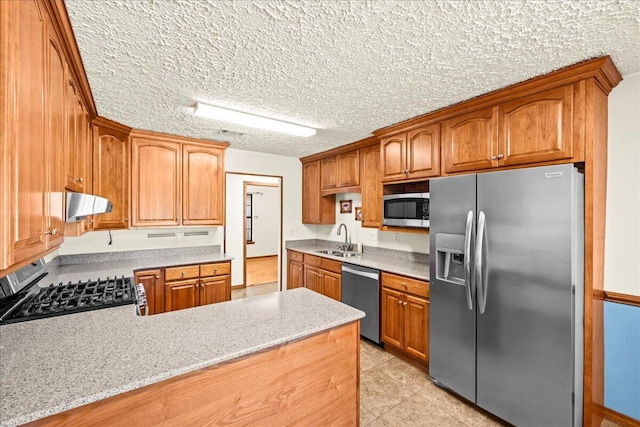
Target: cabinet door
{"type": "Point", "coordinates": [22, 102]}
{"type": "Point", "coordinates": [71, 153]}
{"type": "Point", "coordinates": [203, 185]}
{"type": "Point", "coordinates": [392, 317]}
{"type": "Point", "coordinates": [294, 275]}
{"type": "Point", "coordinates": [181, 294]}
{"type": "Point", "coordinates": [328, 173]}
{"type": "Point", "coordinates": [423, 152]}
{"type": "Point", "coordinates": [416, 327]}
{"type": "Point", "coordinates": [54, 149]}
{"type": "Point", "coordinates": [349, 169]}
{"type": "Point", "coordinates": [111, 177]}
{"type": "Point", "coordinates": [471, 141]}
{"type": "Point", "coordinates": [154, 287]}
{"type": "Point", "coordinates": [315, 209]}
{"type": "Point", "coordinates": [371, 187]}
{"type": "Point", "coordinates": [214, 289]}
{"type": "Point", "coordinates": [537, 128]}
{"type": "Point", "coordinates": [332, 285]}
{"type": "Point", "coordinates": [155, 183]}
{"type": "Point", "coordinates": [313, 279]}
{"type": "Point", "coordinates": [393, 157]}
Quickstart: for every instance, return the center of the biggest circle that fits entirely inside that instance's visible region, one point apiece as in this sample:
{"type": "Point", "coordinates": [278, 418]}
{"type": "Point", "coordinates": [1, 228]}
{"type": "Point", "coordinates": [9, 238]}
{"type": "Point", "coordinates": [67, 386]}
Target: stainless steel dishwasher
{"type": "Point", "coordinates": [361, 289]}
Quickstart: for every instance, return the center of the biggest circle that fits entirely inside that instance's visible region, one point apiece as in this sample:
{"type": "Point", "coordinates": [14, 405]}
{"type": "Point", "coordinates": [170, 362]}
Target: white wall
{"type": "Point", "coordinates": [266, 221]}
{"type": "Point", "coordinates": [235, 216]}
{"type": "Point", "coordinates": [410, 242]}
{"type": "Point", "coordinates": [622, 239]}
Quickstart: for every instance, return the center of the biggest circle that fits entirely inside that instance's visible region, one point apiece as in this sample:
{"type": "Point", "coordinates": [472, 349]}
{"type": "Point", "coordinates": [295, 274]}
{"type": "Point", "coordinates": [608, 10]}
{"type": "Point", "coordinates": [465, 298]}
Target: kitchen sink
{"type": "Point", "coordinates": [338, 253]}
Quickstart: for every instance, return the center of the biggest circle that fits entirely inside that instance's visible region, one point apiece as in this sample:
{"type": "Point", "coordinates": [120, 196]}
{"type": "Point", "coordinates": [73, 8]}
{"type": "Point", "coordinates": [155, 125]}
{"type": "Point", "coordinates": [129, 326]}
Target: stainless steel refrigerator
{"type": "Point", "coordinates": [506, 296]}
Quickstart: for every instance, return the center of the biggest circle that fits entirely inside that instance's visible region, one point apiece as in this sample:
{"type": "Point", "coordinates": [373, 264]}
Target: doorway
{"type": "Point", "coordinates": [253, 233]}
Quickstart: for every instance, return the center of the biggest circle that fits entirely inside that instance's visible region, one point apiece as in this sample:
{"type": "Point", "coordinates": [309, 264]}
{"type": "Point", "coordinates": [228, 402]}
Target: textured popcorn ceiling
{"type": "Point", "coordinates": [346, 68]}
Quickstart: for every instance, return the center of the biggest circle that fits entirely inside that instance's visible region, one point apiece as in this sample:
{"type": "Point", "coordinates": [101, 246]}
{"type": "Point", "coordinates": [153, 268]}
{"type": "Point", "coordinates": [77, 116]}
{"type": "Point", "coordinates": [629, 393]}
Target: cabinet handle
{"type": "Point", "coordinates": [500, 156]}
{"type": "Point", "coordinates": [182, 273]}
{"type": "Point", "coordinates": [399, 302]}
{"type": "Point", "coordinates": [404, 304]}
{"type": "Point", "coordinates": [493, 157]}
{"type": "Point", "coordinates": [79, 179]}
{"type": "Point", "coordinates": [53, 232]}
{"type": "Point", "coordinates": [404, 284]}
{"type": "Point", "coordinates": [157, 276]}
{"type": "Point", "coordinates": [215, 270]}
{"type": "Point", "coordinates": [126, 219]}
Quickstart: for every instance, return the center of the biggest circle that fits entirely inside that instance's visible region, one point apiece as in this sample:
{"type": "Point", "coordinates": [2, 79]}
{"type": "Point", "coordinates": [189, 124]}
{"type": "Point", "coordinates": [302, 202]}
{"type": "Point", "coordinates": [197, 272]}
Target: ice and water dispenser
{"type": "Point", "coordinates": [450, 258]}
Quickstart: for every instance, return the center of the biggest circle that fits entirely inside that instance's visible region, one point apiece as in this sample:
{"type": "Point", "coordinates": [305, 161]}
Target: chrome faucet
{"type": "Point", "coordinates": [347, 240]}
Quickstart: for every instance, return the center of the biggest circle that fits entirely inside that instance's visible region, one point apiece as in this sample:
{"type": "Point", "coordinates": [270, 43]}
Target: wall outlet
{"type": "Point", "coordinates": [373, 236]}
{"type": "Point", "coordinates": [396, 237]}
{"type": "Point", "coordinates": [179, 236]}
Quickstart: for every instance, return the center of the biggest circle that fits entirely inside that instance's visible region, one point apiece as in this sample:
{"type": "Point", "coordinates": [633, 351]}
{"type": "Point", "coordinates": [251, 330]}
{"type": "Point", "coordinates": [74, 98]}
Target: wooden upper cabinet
{"type": "Point", "coordinates": [537, 128]}
{"type": "Point", "coordinates": [423, 152]}
{"type": "Point", "coordinates": [411, 155]}
{"type": "Point", "coordinates": [77, 141]}
{"type": "Point", "coordinates": [393, 152]}
{"type": "Point", "coordinates": [111, 173]}
{"type": "Point", "coordinates": [349, 169]}
{"type": "Point", "coordinates": [329, 172]}
{"type": "Point", "coordinates": [315, 209]}
{"type": "Point", "coordinates": [371, 187]}
{"type": "Point", "coordinates": [471, 140]}
{"type": "Point", "coordinates": [203, 185]}
{"type": "Point", "coordinates": [156, 178]}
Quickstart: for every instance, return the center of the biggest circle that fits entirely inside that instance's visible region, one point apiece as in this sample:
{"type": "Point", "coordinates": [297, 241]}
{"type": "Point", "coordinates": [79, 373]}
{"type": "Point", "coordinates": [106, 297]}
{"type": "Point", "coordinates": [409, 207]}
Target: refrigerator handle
{"type": "Point", "coordinates": [480, 261]}
{"type": "Point", "coordinates": [468, 277]}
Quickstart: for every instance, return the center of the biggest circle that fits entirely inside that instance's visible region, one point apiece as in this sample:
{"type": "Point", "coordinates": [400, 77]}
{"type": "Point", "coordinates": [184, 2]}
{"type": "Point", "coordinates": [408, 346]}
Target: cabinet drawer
{"type": "Point", "coordinates": [178, 273]}
{"type": "Point", "coordinates": [217, 269]}
{"type": "Point", "coordinates": [331, 265]}
{"type": "Point", "coordinates": [313, 260]}
{"type": "Point", "coordinates": [405, 284]}
{"type": "Point", "coordinates": [294, 256]}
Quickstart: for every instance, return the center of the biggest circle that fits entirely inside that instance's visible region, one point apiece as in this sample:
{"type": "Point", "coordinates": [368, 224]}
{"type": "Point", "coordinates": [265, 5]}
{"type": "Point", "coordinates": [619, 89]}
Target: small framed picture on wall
{"type": "Point", "coordinates": [358, 214]}
{"type": "Point", "coordinates": [345, 206]}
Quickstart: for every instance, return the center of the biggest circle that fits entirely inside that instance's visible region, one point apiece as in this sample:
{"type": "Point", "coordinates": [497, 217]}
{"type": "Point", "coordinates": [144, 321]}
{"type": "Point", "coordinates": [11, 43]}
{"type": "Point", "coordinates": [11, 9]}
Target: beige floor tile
{"type": "Point", "coordinates": [411, 377]}
{"type": "Point", "coordinates": [254, 290]}
{"type": "Point", "coordinates": [418, 411]}
{"type": "Point", "coordinates": [366, 417]}
{"type": "Point", "coordinates": [378, 423]}
{"type": "Point", "coordinates": [607, 423]}
{"type": "Point", "coordinates": [379, 392]}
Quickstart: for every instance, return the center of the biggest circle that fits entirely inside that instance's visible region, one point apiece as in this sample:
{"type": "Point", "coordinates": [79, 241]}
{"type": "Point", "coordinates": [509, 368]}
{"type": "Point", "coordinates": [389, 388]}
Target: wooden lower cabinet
{"type": "Point", "coordinates": [323, 282]}
{"type": "Point", "coordinates": [176, 288]}
{"type": "Point", "coordinates": [405, 315]}
{"type": "Point", "coordinates": [318, 274]}
{"type": "Point", "coordinates": [295, 277]}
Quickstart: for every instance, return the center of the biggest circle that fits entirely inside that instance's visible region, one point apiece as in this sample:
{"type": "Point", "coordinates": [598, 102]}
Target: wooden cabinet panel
{"type": "Point", "coordinates": [392, 317]}
{"type": "Point", "coordinates": [393, 157]}
{"type": "Point", "coordinates": [153, 283]}
{"type": "Point", "coordinates": [537, 128]}
{"type": "Point", "coordinates": [214, 289]}
{"type": "Point", "coordinates": [349, 169]}
{"type": "Point", "coordinates": [203, 185]}
{"type": "Point", "coordinates": [328, 173]}
{"type": "Point", "coordinates": [371, 187]}
{"type": "Point", "coordinates": [182, 272]}
{"type": "Point", "coordinates": [313, 279]}
{"type": "Point", "coordinates": [416, 327]}
{"type": "Point", "coordinates": [470, 141]}
{"type": "Point", "coordinates": [216, 269]}
{"type": "Point", "coordinates": [332, 285]}
{"type": "Point", "coordinates": [405, 284]}
{"type": "Point", "coordinates": [295, 256]}
{"type": "Point", "coordinates": [313, 260]}
{"type": "Point", "coordinates": [294, 274]}
{"type": "Point", "coordinates": [315, 209]}
{"type": "Point", "coordinates": [156, 177]}
{"type": "Point", "coordinates": [423, 152]}
{"type": "Point", "coordinates": [181, 294]}
{"type": "Point", "coordinates": [111, 177]}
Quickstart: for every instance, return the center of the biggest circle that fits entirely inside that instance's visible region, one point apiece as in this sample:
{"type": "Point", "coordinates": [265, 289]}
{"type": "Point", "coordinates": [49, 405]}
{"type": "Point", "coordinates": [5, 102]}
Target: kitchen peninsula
{"type": "Point", "coordinates": [282, 356]}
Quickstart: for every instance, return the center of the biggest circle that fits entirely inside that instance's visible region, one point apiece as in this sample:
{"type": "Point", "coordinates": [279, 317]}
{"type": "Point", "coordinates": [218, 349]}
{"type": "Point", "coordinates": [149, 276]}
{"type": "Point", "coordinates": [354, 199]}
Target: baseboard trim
{"type": "Point", "coordinates": [622, 298]}
{"type": "Point", "coordinates": [620, 419]}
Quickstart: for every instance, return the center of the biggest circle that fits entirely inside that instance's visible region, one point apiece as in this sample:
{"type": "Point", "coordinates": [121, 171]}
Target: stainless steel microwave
{"type": "Point", "coordinates": [406, 210]}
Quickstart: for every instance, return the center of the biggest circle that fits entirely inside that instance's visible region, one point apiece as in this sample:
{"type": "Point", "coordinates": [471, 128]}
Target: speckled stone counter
{"type": "Point", "coordinates": [407, 267]}
{"type": "Point", "coordinates": [116, 265]}
{"type": "Point", "coordinates": [52, 365]}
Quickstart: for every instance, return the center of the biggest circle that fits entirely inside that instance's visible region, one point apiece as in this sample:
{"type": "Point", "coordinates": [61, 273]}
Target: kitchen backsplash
{"type": "Point", "coordinates": [135, 254]}
{"type": "Point", "coordinates": [373, 250]}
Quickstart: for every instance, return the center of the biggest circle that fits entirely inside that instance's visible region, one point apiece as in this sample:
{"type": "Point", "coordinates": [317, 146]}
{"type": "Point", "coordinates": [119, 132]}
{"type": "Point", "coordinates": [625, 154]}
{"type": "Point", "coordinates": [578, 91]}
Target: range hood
{"type": "Point", "coordinates": [79, 205]}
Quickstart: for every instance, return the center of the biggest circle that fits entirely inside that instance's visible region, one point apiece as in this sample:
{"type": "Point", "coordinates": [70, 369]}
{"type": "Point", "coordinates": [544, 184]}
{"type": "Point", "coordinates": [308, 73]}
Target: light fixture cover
{"type": "Point", "coordinates": [245, 119]}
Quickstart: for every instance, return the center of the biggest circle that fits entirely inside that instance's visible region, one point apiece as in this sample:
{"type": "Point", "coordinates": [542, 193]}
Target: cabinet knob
{"type": "Point", "coordinates": [183, 273]}
{"type": "Point", "coordinates": [500, 156]}
{"type": "Point", "coordinates": [215, 270]}
{"type": "Point", "coordinates": [157, 276]}
{"type": "Point", "coordinates": [404, 284]}
{"type": "Point", "coordinates": [126, 219]}
{"type": "Point", "coordinates": [79, 179]}
{"type": "Point", "coordinates": [52, 232]}
{"type": "Point", "coordinates": [493, 157]}
{"type": "Point", "coordinates": [404, 304]}
{"type": "Point", "coordinates": [399, 302]}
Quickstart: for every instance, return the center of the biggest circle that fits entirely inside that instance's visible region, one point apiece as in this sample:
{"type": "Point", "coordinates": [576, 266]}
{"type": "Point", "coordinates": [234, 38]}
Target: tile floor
{"type": "Point", "coordinates": [395, 393]}
{"type": "Point", "coordinates": [250, 291]}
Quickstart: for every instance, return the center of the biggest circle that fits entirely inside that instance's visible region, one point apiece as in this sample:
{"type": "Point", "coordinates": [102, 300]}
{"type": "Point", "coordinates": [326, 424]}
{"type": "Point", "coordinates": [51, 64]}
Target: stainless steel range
{"type": "Point", "coordinates": [23, 299]}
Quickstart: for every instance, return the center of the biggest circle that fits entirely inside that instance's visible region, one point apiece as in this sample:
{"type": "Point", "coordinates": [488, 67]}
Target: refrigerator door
{"type": "Point", "coordinates": [525, 340]}
{"type": "Point", "coordinates": [451, 321]}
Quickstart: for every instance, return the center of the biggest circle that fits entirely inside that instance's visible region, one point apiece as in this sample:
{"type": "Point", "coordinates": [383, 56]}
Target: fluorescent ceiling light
{"type": "Point", "coordinates": [245, 119]}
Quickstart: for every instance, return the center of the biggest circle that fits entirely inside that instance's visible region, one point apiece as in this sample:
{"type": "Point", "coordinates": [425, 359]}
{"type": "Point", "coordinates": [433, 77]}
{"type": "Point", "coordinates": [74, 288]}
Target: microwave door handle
{"type": "Point", "coordinates": [468, 277]}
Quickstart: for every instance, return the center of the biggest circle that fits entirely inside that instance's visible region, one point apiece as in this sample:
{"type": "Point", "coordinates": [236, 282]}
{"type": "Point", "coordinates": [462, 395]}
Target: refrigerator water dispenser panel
{"type": "Point", "coordinates": [450, 258]}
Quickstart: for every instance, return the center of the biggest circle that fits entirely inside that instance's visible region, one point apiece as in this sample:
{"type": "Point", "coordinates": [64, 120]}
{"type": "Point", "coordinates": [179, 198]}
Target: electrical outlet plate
{"type": "Point", "coordinates": [373, 236]}
{"type": "Point", "coordinates": [179, 236]}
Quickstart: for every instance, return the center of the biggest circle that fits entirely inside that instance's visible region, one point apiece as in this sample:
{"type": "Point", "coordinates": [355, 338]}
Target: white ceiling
{"type": "Point", "coordinates": [344, 67]}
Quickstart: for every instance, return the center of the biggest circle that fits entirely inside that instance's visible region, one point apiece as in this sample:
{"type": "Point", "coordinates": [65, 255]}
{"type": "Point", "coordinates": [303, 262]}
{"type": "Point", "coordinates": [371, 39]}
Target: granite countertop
{"type": "Point", "coordinates": [124, 267]}
{"type": "Point", "coordinates": [55, 364]}
{"type": "Point", "coordinates": [417, 270]}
